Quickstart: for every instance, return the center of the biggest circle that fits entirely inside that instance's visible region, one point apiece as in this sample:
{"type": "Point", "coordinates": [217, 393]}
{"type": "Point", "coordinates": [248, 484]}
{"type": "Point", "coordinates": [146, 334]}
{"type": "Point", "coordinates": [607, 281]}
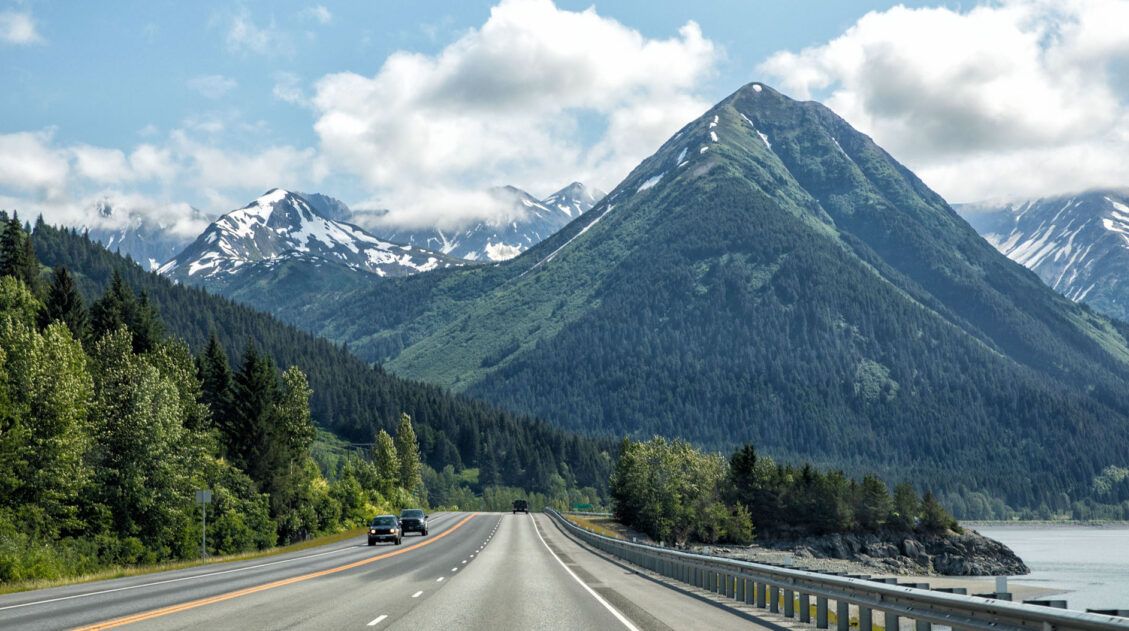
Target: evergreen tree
{"type": "Point", "coordinates": [247, 438]}
{"type": "Point", "coordinates": [216, 382]}
{"type": "Point", "coordinates": [934, 517]}
{"type": "Point", "coordinates": [17, 255]}
{"type": "Point", "coordinates": [874, 504]}
{"type": "Point", "coordinates": [113, 310]}
{"type": "Point", "coordinates": [64, 304]}
{"type": "Point", "coordinates": [387, 462]}
{"type": "Point", "coordinates": [407, 448]}
{"type": "Point", "coordinates": [907, 506]}
{"type": "Point", "coordinates": [145, 324]}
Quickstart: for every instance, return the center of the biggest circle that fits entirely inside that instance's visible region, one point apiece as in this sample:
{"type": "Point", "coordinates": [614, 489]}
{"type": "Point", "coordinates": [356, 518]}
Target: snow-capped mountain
{"type": "Point", "coordinates": [529, 222]}
{"type": "Point", "coordinates": [283, 226]}
{"type": "Point", "coordinates": [328, 207]}
{"type": "Point", "coordinates": [1078, 244]}
{"type": "Point", "coordinates": [145, 240]}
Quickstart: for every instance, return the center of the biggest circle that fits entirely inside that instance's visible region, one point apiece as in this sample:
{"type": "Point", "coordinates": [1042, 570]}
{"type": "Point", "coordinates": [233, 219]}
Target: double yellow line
{"type": "Point", "coordinates": [211, 600]}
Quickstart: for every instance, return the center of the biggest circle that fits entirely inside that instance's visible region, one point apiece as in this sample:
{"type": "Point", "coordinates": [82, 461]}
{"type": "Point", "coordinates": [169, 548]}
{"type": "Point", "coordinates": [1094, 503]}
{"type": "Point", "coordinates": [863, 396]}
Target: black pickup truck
{"type": "Point", "coordinates": [521, 506]}
{"type": "Point", "coordinates": [384, 528]}
{"type": "Point", "coordinates": [413, 520]}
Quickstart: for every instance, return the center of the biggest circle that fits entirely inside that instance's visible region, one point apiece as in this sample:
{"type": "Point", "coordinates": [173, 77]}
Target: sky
{"type": "Point", "coordinates": [159, 106]}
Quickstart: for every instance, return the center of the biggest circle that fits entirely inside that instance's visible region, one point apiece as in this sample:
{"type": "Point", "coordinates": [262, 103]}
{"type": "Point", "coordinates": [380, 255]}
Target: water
{"type": "Point", "coordinates": [1089, 563]}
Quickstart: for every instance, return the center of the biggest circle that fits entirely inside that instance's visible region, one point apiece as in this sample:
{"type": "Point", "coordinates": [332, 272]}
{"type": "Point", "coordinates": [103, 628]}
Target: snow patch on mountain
{"type": "Point", "coordinates": [281, 225]}
{"type": "Point", "coordinates": [1077, 244]}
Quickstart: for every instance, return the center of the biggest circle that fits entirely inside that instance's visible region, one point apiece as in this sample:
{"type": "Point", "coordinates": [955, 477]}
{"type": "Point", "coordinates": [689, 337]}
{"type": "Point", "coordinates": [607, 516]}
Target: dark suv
{"type": "Point", "coordinates": [521, 506]}
{"type": "Point", "coordinates": [413, 520]}
{"type": "Point", "coordinates": [384, 528]}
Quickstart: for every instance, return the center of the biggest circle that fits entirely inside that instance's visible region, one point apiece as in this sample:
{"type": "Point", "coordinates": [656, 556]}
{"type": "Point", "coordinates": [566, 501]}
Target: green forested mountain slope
{"type": "Point", "coordinates": [350, 398]}
{"type": "Point", "coordinates": [772, 275]}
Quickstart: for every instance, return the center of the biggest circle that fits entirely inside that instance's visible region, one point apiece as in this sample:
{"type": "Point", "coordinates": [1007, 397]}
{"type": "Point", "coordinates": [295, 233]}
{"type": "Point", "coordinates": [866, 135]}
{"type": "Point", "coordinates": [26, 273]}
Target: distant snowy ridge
{"type": "Point", "coordinates": [536, 220]}
{"type": "Point", "coordinates": [281, 225]}
{"type": "Point", "coordinates": [1077, 244]}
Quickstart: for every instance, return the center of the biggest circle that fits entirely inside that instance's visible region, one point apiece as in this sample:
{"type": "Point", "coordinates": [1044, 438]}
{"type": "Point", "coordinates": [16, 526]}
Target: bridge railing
{"type": "Point", "coordinates": [796, 593]}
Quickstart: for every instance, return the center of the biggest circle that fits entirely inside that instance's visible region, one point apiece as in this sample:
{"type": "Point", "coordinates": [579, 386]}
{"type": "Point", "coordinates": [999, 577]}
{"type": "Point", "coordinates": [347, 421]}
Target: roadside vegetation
{"type": "Point", "coordinates": [108, 426]}
{"type": "Point", "coordinates": [678, 494]}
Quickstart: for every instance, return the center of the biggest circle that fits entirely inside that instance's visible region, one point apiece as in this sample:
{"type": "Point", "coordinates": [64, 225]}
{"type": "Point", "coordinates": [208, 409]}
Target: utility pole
{"type": "Point", "coordinates": [203, 498]}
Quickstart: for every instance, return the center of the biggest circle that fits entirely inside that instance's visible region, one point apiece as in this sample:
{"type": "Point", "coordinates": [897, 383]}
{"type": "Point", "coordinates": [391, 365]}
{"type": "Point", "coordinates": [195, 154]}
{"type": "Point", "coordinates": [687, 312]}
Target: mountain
{"type": "Point", "coordinates": [350, 397]}
{"type": "Point", "coordinates": [328, 207]}
{"type": "Point", "coordinates": [145, 240]}
{"type": "Point", "coordinates": [282, 228]}
{"type": "Point", "coordinates": [771, 275]}
{"type": "Point", "coordinates": [1078, 244]}
{"type": "Point", "coordinates": [526, 222]}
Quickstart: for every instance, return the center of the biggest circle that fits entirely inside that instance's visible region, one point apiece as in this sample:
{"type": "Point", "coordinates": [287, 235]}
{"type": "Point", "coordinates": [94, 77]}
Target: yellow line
{"type": "Point", "coordinates": [192, 604]}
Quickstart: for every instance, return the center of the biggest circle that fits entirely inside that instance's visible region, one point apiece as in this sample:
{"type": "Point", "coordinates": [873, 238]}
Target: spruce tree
{"type": "Point", "coordinates": [248, 436]}
{"type": "Point", "coordinates": [216, 383]}
{"type": "Point", "coordinates": [113, 310]}
{"type": "Point", "coordinates": [17, 255]}
{"type": "Point", "coordinates": [64, 304]}
{"type": "Point", "coordinates": [407, 447]}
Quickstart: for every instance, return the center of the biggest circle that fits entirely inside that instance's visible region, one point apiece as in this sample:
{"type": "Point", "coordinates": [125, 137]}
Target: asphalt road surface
{"type": "Point", "coordinates": [474, 571]}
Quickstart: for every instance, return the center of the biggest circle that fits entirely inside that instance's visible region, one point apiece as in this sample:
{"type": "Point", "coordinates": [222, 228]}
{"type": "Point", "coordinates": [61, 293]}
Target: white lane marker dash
{"type": "Point", "coordinates": [378, 620]}
{"type": "Point", "coordinates": [417, 594]}
{"type": "Point", "coordinates": [464, 561]}
{"type": "Point", "coordinates": [440, 579]}
{"type": "Point", "coordinates": [454, 569]}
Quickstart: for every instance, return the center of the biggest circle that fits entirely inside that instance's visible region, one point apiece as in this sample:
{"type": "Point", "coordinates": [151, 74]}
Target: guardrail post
{"type": "Point", "coordinates": [739, 594]}
{"type": "Point", "coordinates": [842, 615]}
{"type": "Point", "coordinates": [774, 599]}
{"type": "Point", "coordinates": [762, 593]}
{"type": "Point", "coordinates": [891, 621]}
{"type": "Point", "coordinates": [865, 619]}
{"type": "Point", "coordinates": [805, 608]}
{"type": "Point", "coordinates": [750, 591]}
{"type": "Point", "coordinates": [923, 625]}
{"type": "Point", "coordinates": [728, 591]}
{"type": "Point", "coordinates": [820, 612]}
{"type": "Point", "coordinates": [789, 604]}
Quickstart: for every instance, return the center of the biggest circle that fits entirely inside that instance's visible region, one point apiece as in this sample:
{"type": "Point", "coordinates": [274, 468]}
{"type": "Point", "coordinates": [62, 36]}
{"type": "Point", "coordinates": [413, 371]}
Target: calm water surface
{"type": "Point", "coordinates": [1092, 563]}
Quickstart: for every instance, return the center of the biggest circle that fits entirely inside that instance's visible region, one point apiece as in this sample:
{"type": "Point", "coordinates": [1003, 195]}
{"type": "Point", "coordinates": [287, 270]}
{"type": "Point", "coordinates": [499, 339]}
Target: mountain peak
{"type": "Point", "coordinates": [281, 225]}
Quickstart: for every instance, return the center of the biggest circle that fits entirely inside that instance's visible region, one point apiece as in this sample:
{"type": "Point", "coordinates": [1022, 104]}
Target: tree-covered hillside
{"type": "Point", "coordinates": [772, 276]}
{"type": "Point", "coordinates": [349, 397]}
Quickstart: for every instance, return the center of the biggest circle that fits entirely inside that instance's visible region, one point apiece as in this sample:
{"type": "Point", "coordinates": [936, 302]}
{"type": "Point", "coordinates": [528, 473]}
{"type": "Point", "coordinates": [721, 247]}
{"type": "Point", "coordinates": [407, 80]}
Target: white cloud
{"type": "Point", "coordinates": [31, 164]}
{"type": "Point", "coordinates": [100, 164]}
{"type": "Point", "coordinates": [18, 28]}
{"type": "Point", "coordinates": [288, 89]}
{"type": "Point", "coordinates": [212, 86]}
{"type": "Point", "coordinates": [503, 103]}
{"type": "Point", "coordinates": [245, 36]}
{"type": "Point", "coordinates": [1009, 99]}
{"type": "Point", "coordinates": [318, 13]}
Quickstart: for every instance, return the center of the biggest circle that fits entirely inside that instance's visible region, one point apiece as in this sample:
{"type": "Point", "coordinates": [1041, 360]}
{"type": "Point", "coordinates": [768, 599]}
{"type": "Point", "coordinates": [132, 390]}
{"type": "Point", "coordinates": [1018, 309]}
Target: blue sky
{"type": "Point", "coordinates": [160, 104]}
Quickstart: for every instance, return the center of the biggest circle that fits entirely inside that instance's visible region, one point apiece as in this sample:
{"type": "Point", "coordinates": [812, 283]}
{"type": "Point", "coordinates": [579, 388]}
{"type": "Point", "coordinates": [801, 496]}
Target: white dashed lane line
{"type": "Point", "coordinates": [378, 620]}
{"type": "Point", "coordinates": [417, 594]}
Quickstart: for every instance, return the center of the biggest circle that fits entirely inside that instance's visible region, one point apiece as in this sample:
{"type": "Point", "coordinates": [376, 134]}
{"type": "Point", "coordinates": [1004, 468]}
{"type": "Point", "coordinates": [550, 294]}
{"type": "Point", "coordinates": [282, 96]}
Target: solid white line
{"type": "Point", "coordinates": [606, 604]}
{"type": "Point", "coordinates": [417, 594]}
{"type": "Point", "coordinates": [378, 620]}
{"type": "Point", "coordinates": [183, 578]}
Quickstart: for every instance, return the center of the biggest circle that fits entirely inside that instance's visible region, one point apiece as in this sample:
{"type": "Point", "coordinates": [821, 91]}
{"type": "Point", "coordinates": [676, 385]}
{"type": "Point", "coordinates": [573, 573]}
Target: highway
{"type": "Point", "coordinates": [474, 571]}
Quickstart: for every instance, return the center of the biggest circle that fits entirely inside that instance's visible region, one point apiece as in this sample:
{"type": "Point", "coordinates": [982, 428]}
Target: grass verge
{"type": "Point", "coordinates": [122, 572]}
{"type": "Point", "coordinates": [593, 524]}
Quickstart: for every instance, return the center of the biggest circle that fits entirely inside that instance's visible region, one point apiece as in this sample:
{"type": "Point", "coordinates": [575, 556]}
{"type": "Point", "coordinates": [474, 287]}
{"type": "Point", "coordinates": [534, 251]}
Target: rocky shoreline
{"type": "Point", "coordinates": [892, 552]}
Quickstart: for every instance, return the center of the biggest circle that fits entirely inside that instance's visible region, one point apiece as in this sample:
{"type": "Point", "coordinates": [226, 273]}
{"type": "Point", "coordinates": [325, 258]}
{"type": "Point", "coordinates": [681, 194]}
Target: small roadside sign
{"type": "Point", "coordinates": [204, 497]}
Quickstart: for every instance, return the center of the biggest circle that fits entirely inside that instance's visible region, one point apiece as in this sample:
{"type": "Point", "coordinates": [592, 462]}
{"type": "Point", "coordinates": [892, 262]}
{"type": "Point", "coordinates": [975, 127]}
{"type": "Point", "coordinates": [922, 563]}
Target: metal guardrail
{"type": "Point", "coordinates": [791, 591]}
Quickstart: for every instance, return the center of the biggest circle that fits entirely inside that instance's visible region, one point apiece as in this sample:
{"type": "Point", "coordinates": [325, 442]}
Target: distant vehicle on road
{"type": "Point", "coordinates": [413, 520]}
{"type": "Point", "coordinates": [521, 506]}
{"type": "Point", "coordinates": [384, 528]}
